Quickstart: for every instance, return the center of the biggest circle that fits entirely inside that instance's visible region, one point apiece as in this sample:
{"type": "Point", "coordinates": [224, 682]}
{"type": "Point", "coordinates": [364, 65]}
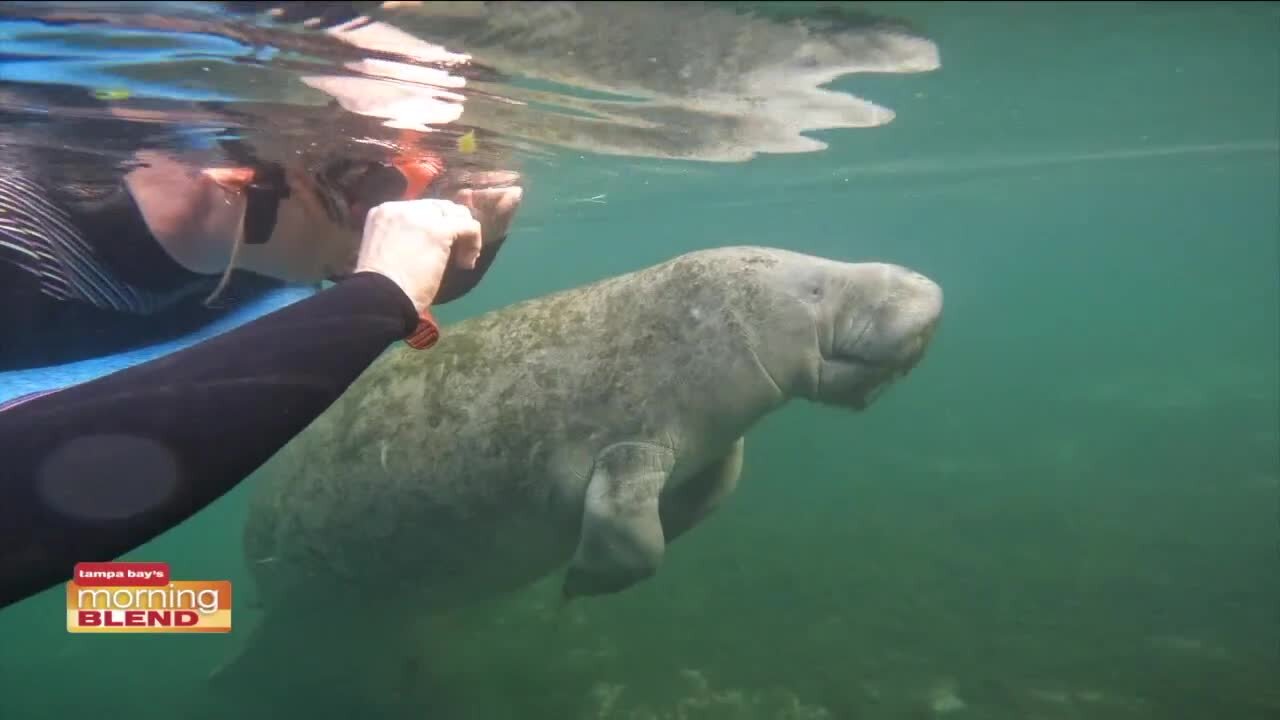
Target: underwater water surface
{"type": "Point", "coordinates": [1070, 510]}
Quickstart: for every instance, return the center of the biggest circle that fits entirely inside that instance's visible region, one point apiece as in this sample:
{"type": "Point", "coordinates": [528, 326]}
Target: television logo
{"type": "Point", "coordinates": [141, 597]}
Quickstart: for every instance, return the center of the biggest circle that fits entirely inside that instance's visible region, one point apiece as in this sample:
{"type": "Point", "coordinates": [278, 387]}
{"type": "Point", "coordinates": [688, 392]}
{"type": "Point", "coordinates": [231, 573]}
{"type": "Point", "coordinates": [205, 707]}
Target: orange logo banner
{"type": "Point", "coordinates": [142, 597]}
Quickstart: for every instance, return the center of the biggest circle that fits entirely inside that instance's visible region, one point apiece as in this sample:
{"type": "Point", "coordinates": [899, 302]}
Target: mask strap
{"type": "Point", "coordinates": [231, 264]}
{"type": "Point", "coordinates": [262, 195]}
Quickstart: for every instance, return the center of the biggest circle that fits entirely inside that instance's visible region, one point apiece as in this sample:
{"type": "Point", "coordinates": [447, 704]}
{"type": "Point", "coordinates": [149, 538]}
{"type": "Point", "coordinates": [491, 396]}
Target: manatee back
{"type": "Point", "coordinates": [451, 452]}
{"type": "Point", "coordinates": [458, 460]}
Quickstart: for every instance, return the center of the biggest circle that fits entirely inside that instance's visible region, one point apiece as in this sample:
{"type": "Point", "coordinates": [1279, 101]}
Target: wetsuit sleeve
{"type": "Point", "coordinates": [93, 471]}
{"type": "Point", "coordinates": [459, 281]}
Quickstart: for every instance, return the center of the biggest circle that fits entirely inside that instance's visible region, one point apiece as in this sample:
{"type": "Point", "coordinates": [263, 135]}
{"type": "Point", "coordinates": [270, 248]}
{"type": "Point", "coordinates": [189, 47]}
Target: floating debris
{"type": "Point", "coordinates": [467, 142]}
{"type": "Point", "coordinates": [112, 94]}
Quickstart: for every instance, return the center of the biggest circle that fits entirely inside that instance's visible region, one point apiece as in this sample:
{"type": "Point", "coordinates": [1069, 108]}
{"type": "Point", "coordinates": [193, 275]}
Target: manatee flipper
{"type": "Point", "coordinates": [621, 540]}
{"type": "Point", "coordinates": [699, 496]}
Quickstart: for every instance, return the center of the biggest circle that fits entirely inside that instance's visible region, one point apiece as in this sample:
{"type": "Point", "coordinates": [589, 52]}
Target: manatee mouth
{"type": "Point", "coordinates": [836, 386]}
{"type": "Point", "coordinates": [912, 351]}
{"type": "Point", "coordinates": [876, 371]}
{"type": "Point", "coordinates": [903, 358]}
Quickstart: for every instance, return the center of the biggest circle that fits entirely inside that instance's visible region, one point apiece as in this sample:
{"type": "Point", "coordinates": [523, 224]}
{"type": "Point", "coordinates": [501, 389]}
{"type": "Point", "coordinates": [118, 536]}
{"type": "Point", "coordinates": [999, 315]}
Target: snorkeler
{"type": "Point", "coordinates": [92, 471]}
{"type": "Point", "coordinates": [90, 266]}
{"type": "Point", "coordinates": [95, 260]}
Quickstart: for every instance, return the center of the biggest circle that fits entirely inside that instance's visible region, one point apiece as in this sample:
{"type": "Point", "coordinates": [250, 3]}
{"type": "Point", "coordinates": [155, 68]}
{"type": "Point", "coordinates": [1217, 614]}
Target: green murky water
{"type": "Point", "coordinates": [1069, 511]}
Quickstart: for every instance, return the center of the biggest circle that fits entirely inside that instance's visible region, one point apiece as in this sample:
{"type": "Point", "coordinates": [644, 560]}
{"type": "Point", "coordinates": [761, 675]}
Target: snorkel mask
{"type": "Point", "coordinates": [347, 189]}
{"type": "Point", "coordinates": [350, 189]}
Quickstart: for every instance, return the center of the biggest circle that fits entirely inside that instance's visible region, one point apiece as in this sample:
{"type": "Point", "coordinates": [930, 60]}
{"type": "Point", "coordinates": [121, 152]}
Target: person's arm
{"type": "Point", "coordinates": [93, 471]}
{"type": "Point", "coordinates": [459, 281]}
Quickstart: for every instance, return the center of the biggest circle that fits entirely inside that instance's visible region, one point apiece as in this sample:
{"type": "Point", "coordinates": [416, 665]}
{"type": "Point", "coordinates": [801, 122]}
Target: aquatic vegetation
{"type": "Point", "coordinates": [703, 701]}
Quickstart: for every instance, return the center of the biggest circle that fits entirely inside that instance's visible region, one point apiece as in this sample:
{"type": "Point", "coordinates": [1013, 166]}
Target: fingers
{"type": "Point", "coordinates": [493, 207]}
{"type": "Point", "coordinates": [467, 244]}
{"type": "Point", "coordinates": [413, 242]}
{"type": "Point", "coordinates": [502, 206]}
{"type": "Point", "coordinates": [465, 231]}
{"type": "Point", "coordinates": [466, 197]}
{"type": "Point", "coordinates": [489, 179]}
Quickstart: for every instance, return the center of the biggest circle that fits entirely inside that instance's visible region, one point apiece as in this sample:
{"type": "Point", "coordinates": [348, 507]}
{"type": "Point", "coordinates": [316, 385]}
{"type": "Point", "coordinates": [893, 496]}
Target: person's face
{"type": "Point", "coordinates": [315, 235]}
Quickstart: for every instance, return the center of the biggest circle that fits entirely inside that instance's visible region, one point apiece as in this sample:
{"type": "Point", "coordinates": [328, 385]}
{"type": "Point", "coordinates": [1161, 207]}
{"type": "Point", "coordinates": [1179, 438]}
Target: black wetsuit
{"type": "Point", "coordinates": [80, 273]}
{"type": "Point", "coordinates": [93, 471]}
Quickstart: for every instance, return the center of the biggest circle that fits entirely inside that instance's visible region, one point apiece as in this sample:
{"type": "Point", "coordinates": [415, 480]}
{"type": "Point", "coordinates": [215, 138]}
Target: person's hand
{"type": "Point", "coordinates": [412, 241]}
{"type": "Point", "coordinates": [494, 207]}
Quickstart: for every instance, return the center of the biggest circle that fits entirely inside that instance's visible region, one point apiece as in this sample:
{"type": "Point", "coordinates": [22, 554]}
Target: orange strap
{"type": "Point", "coordinates": [426, 334]}
{"type": "Point", "coordinates": [419, 172]}
{"type": "Point", "coordinates": [419, 169]}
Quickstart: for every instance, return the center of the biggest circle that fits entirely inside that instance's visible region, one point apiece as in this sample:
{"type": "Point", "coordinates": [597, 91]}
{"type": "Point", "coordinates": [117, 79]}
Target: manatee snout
{"type": "Point", "coordinates": [901, 322]}
{"type": "Point", "coordinates": [887, 325]}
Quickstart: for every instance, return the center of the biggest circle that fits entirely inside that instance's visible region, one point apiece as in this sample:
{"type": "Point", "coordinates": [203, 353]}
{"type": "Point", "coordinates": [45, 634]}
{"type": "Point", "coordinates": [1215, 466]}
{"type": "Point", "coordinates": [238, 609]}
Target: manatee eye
{"type": "Point", "coordinates": [815, 291]}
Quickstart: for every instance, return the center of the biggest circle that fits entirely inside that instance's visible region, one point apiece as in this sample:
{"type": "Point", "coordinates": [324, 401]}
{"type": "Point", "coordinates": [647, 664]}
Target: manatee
{"type": "Point", "coordinates": [584, 430]}
{"type": "Point", "coordinates": [687, 80]}
{"type": "Point", "coordinates": [715, 82]}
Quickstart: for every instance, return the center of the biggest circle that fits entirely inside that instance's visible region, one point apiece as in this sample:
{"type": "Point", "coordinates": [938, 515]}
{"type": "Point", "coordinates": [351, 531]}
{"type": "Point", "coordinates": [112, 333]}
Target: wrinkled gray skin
{"type": "Point", "coordinates": [667, 49]}
{"type": "Point", "coordinates": [588, 428]}
{"type": "Point", "coordinates": [689, 80]}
